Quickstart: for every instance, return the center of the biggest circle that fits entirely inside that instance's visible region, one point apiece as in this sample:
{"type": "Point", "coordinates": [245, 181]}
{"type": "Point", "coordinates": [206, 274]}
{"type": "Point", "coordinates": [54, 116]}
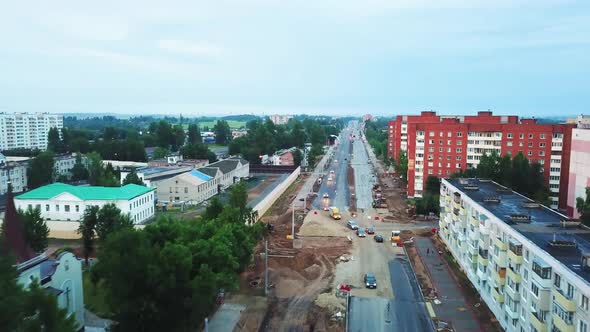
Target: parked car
{"type": "Point", "coordinates": [370, 230]}
{"type": "Point", "coordinates": [378, 238]}
{"type": "Point", "coordinates": [360, 232]}
{"type": "Point", "coordinates": [326, 195]}
{"type": "Point", "coordinates": [370, 280]}
{"type": "Point", "coordinates": [352, 225]}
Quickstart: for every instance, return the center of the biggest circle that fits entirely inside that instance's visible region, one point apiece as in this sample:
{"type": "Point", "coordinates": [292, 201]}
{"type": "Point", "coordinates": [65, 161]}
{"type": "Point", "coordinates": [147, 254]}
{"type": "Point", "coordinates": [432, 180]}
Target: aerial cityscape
{"type": "Point", "coordinates": [295, 166]}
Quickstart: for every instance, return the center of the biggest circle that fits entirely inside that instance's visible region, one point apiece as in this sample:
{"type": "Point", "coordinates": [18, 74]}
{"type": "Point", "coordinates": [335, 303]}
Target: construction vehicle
{"type": "Point", "coordinates": [335, 213]}
{"type": "Point", "coordinates": [379, 203]}
{"type": "Point", "coordinates": [396, 239]}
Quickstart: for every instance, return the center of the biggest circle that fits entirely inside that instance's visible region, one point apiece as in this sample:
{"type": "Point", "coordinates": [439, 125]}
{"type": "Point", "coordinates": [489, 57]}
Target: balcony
{"type": "Point", "coordinates": [565, 302]}
{"type": "Point", "coordinates": [497, 296]}
{"type": "Point", "coordinates": [482, 275]}
{"type": "Point", "coordinates": [513, 276]}
{"type": "Point", "coordinates": [474, 221]}
{"type": "Point", "coordinates": [512, 293]}
{"type": "Point", "coordinates": [500, 244]}
{"type": "Point", "coordinates": [500, 259]}
{"type": "Point", "coordinates": [512, 314]}
{"type": "Point", "coordinates": [537, 323]}
{"type": "Point", "coordinates": [515, 258]}
{"type": "Point", "coordinates": [483, 229]}
{"type": "Point", "coordinates": [561, 324]}
{"type": "Point", "coordinates": [474, 236]}
{"type": "Point", "coordinates": [499, 277]}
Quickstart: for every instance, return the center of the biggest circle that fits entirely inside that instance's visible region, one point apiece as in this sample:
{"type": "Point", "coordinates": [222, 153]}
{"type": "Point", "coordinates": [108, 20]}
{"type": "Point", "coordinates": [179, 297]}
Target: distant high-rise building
{"type": "Point", "coordinates": [367, 117]}
{"type": "Point", "coordinates": [442, 145]}
{"type": "Point", "coordinates": [279, 119]}
{"type": "Point", "coordinates": [581, 121]}
{"type": "Point", "coordinates": [27, 131]}
{"type": "Point", "coordinates": [579, 171]}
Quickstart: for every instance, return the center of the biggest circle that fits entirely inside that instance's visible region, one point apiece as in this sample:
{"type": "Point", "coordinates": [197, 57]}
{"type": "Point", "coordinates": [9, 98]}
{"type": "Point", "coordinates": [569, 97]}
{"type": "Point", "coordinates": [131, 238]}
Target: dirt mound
{"type": "Point", "coordinates": [312, 272]}
{"type": "Point", "coordinates": [317, 228]}
{"type": "Point", "coordinates": [331, 302]}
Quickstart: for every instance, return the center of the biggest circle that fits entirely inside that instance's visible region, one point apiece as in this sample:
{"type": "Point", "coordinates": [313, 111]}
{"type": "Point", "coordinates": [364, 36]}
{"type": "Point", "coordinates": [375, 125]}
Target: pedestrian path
{"type": "Point", "coordinates": [454, 307]}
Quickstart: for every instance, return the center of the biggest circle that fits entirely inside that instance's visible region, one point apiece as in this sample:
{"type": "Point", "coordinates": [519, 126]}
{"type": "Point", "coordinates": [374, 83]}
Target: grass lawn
{"type": "Point", "coordinates": [215, 146]}
{"type": "Point", "coordinates": [94, 299]}
{"type": "Point", "coordinates": [232, 124]}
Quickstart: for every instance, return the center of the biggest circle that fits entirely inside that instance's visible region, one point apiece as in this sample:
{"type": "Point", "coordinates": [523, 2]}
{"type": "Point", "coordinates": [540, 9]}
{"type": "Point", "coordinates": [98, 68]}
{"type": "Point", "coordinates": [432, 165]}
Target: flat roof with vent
{"type": "Point", "coordinates": [550, 230]}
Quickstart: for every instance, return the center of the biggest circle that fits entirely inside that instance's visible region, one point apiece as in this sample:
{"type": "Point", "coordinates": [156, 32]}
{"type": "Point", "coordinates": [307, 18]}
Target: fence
{"type": "Point", "coordinates": [271, 198]}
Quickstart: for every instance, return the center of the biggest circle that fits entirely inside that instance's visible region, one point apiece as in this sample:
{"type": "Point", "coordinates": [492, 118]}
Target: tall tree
{"type": "Point", "coordinates": [110, 220]}
{"type": "Point", "coordinates": [214, 209]}
{"type": "Point", "coordinates": [433, 185]}
{"type": "Point", "coordinates": [53, 140]}
{"type": "Point", "coordinates": [297, 157]}
{"type": "Point", "coordinates": [179, 137]}
{"type": "Point", "coordinates": [36, 230]}
{"type": "Point", "coordinates": [194, 134]}
{"type": "Point", "coordinates": [40, 170]}
{"type": "Point", "coordinates": [87, 229]}
{"type": "Point", "coordinates": [161, 152]}
{"type": "Point", "coordinates": [222, 132]}
{"type": "Point", "coordinates": [132, 177]}
{"type": "Point", "coordinates": [79, 171]}
{"type": "Point", "coordinates": [583, 207]}
{"type": "Point", "coordinates": [402, 166]}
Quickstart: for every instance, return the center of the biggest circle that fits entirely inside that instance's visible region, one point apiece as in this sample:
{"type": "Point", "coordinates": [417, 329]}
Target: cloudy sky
{"type": "Point", "coordinates": [323, 57]}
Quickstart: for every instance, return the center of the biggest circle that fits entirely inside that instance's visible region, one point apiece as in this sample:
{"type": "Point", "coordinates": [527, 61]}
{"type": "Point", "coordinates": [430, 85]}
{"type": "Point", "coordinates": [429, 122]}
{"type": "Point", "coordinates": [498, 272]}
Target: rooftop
{"type": "Point", "coordinates": [539, 224]}
{"type": "Point", "coordinates": [86, 192]}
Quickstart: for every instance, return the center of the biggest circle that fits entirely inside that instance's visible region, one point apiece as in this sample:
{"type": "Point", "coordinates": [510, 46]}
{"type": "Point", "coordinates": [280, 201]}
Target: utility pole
{"type": "Point", "coordinates": [266, 267]}
{"type": "Point", "coordinates": [293, 221]}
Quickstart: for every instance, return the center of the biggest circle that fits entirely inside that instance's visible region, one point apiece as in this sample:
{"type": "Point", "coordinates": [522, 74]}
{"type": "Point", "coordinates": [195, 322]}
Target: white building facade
{"type": "Point", "coordinates": [27, 131]}
{"type": "Point", "coordinates": [579, 176]}
{"type": "Point", "coordinates": [529, 263]}
{"type": "Point", "coordinates": [14, 173]}
{"type": "Point", "coordinates": [63, 202]}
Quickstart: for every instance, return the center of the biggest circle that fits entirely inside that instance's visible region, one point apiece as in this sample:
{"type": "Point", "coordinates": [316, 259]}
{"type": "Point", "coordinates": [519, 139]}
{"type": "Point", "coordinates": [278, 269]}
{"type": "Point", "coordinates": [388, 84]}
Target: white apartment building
{"type": "Point", "coordinates": [279, 119]}
{"type": "Point", "coordinates": [530, 264]}
{"type": "Point", "coordinates": [64, 202]}
{"type": "Point", "coordinates": [28, 131]}
{"type": "Point", "coordinates": [14, 173]}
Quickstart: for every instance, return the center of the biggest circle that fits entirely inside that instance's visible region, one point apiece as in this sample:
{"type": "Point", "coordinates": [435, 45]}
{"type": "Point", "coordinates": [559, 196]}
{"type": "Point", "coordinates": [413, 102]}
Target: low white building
{"type": "Point", "coordinates": [64, 202]}
{"type": "Point", "coordinates": [231, 170]}
{"type": "Point", "coordinates": [192, 187]}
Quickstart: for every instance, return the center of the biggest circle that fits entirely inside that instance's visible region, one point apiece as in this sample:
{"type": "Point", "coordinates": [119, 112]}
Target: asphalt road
{"type": "Point", "coordinates": [363, 175]}
{"type": "Point", "coordinates": [337, 189]}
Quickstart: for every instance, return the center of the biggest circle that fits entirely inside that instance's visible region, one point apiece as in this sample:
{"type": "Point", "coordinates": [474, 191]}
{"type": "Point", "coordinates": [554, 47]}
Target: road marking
{"type": "Point", "coordinates": [430, 309]}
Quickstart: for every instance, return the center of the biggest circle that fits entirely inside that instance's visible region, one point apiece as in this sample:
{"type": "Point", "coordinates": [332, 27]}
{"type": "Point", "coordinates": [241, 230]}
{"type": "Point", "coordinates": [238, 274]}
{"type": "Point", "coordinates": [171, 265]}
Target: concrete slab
{"type": "Point", "coordinates": [226, 318]}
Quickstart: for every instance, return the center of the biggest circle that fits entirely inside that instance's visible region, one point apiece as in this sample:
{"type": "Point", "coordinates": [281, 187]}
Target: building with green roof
{"type": "Point", "coordinates": [64, 202]}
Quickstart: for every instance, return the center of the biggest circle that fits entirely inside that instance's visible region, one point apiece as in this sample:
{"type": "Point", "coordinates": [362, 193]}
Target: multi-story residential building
{"type": "Point", "coordinates": [13, 173]}
{"type": "Point", "coordinates": [442, 145]}
{"type": "Point", "coordinates": [530, 264]}
{"type": "Point", "coordinates": [279, 119]}
{"type": "Point", "coordinates": [27, 131]}
{"type": "Point", "coordinates": [579, 172]}
{"type": "Point", "coordinates": [581, 121]}
{"type": "Point", "coordinates": [64, 202]}
{"type": "Point", "coordinates": [63, 164]}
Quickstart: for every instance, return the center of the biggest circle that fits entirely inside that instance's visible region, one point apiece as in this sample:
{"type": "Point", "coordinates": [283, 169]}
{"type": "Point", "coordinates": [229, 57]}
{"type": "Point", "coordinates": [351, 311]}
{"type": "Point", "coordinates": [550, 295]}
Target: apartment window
{"type": "Point", "coordinates": [459, 134]}
{"type": "Point", "coordinates": [431, 149]}
{"type": "Point", "coordinates": [535, 289]}
{"type": "Point", "coordinates": [130, 206]}
{"type": "Point", "coordinates": [542, 136]}
{"type": "Point", "coordinates": [449, 142]}
{"type": "Point", "coordinates": [530, 136]}
{"type": "Point", "coordinates": [46, 207]}
{"type": "Point", "coordinates": [583, 326]}
{"type": "Point", "coordinates": [170, 189]}
{"type": "Point", "coordinates": [430, 172]}
{"type": "Point", "coordinates": [542, 145]}
{"type": "Point", "coordinates": [529, 153]}
{"type": "Point", "coordinates": [430, 141]}
{"type": "Point", "coordinates": [566, 316]}
{"type": "Point", "coordinates": [584, 302]}
{"type": "Point", "coordinates": [458, 157]}
{"type": "Point", "coordinates": [459, 150]}
{"type": "Point", "coordinates": [570, 291]}
{"type": "Point", "coordinates": [458, 165]}
{"type": "Point", "coordinates": [525, 274]}
{"type": "Point", "coordinates": [509, 135]}
{"type": "Point", "coordinates": [67, 208]}
{"type": "Point", "coordinates": [509, 143]}
{"type": "Point", "coordinates": [441, 134]}
{"type": "Point", "coordinates": [521, 136]}
{"type": "Point", "coordinates": [431, 134]}
{"type": "Point", "coordinates": [459, 142]}
{"type": "Point", "coordinates": [449, 134]}
{"type": "Point", "coordinates": [77, 208]}
{"type": "Point", "coordinates": [56, 207]}
{"type": "Point", "coordinates": [186, 190]}
{"type": "Point", "coordinates": [541, 153]}
{"type": "Point", "coordinates": [530, 145]}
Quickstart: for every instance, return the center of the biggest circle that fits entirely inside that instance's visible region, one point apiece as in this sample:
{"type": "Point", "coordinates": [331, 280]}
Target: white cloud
{"type": "Point", "coordinates": [189, 48]}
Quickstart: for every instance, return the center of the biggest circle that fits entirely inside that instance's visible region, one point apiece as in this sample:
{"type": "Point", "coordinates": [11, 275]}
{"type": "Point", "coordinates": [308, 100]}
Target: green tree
{"type": "Point", "coordinates": [160, 153]}
{"type": "Point", "coordinates": [53, 140]}
{"type": "Point", "coordinates": [179, 137]}
{"type": "Point", "coordinates": [164, 134]}
{"type": "Point", "coordinates": [40, 170]}
{"type": "Point", "coordinates": [297, 134]}
{"type": "Point", "coordinates": [36, 230]}
{"type": "Point", "coordinates": [433, 185]}
{"type": "Point", "coordinates": [214, 209]}
{"type": "Point", "coordinates": [402, 166]}
{"type": "Point", "coordinates": [583, 207]}
{"type": "Point", "coordinates": [222, 132]}
{"type": "Point", "coordinates": [87, 230]}
{"type": "Point", "coordinates": [297, 157]}
{"type": "Point", "coordinates": [110, 219]}
{"type": "Point", "coordinates": [194, 134]}
{"type": "Point", "coordinates": [132, 177]}
{"type": "Point", "coordinates": [198, 151]}
{"type": "Point", "coordinates": [31, 309]}
{"type": "Point", "coordinates": [79, 171]}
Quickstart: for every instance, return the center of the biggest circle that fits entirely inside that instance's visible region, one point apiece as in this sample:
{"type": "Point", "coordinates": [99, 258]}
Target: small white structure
{"type": "Point", "coordinates": [192, 187]}
{"type": "Point", "coordinates": [64, 202]}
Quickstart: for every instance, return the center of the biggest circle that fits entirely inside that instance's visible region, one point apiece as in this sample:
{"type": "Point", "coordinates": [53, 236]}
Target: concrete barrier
{"type": "Point", "coordinates": [68, 229]}
{"type": "Point", "coordinates": [271, 198]}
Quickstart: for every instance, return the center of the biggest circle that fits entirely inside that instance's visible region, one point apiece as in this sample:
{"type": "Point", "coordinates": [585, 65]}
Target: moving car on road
{"type": "Point", "coordinates": [378, 238]}
{"type": "Point", "coordinates": [361, 232]}
{"type": "Point", "coordinates": [335, 213]}
{"type": "Point", "coordinates": [352, 225]}
{"type": "Point", "coordinates": [370, 230]}
{"type": "Point", "coordinates": [326, 195]}
{"type": "Point", "coordinates": [370, 280]}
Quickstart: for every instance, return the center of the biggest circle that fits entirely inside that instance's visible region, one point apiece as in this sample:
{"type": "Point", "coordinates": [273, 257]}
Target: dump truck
{"type": "Point", "coordinates": [335, 213]}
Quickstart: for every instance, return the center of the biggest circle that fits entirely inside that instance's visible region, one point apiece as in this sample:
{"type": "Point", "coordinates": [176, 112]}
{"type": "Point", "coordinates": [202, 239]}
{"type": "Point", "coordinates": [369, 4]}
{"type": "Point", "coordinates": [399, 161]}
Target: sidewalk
{"type": "Point", "coordinates": [454, 305]}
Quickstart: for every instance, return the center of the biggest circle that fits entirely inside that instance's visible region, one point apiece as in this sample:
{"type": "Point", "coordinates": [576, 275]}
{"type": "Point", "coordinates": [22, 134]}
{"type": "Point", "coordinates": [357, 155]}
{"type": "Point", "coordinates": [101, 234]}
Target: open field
{"type": "Point", "coordinates": [232, 124]}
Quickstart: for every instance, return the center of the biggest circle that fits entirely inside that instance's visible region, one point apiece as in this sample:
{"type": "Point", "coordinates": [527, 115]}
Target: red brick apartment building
{"type": "Point", "coordinates": [441, 145]}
